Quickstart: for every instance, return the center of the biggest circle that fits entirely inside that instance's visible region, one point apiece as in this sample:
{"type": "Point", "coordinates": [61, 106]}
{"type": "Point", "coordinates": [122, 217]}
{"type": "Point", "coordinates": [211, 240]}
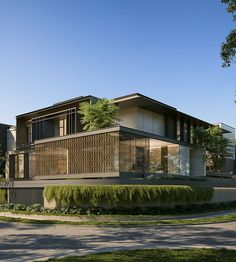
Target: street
{"type": "Point", "coordinates": [30, 242]}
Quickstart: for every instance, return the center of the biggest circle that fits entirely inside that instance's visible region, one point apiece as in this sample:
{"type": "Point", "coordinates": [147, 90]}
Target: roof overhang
{"type": "Point", "coordinates": [57, 107]}
{"type": "Point", "coordinates": [141, 101]}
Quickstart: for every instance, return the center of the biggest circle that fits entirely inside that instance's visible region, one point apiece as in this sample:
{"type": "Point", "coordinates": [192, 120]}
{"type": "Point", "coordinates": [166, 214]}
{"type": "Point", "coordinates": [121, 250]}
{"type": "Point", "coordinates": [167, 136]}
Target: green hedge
{"type": "Point", "coordinates": [3, 196]}
{"type": "Point", "coordinates": [122, 195]}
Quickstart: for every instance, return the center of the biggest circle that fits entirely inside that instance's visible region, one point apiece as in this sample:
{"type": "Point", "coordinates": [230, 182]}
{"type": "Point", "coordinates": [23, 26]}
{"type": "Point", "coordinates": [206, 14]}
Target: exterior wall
{"type": "Point", "coordinates": [141, 119]}
{"type": "Point", "coordinates": [184, 160]}
{"type": "Point", "coordinates": [79, 155]}
{"type": "Point", "coordinates": [30, 195]}
{"type": "Point", "coordinates": [104, 154]}
{"type": "Point", "coordinates": [150, 122]}
{"type": "Point", "coordinates": [197, 162]}
{"type": "Point", "coordinates": [128, 117]}
{"type": "Point", "coordinates": [27, 196]}
{"type": "Point", "coordinates": [224, 195]}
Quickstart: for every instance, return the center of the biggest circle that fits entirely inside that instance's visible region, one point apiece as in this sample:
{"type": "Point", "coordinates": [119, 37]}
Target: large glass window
{"type": "Point", "coordinates": [53, 125]}
{"type": "Point", "coordinates": [164, 157]}
{"type": "Point", "coordinates": [147, 155]}
{"type": "Point", "coordinates": [133, 153]}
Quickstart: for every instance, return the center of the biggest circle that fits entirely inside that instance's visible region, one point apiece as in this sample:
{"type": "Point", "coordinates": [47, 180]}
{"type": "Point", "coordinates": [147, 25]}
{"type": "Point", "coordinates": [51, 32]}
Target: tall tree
{"type": "Point", "coordinates": [228, 48]}
{"type": "Point", "coordinates": [216, 145]}
{"type": "Point", "coordinates": [100, 114]}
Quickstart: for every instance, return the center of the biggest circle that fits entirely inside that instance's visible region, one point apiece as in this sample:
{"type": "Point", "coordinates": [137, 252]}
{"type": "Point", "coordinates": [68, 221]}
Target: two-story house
{"type": "Point", "coordinates": [151, 138]}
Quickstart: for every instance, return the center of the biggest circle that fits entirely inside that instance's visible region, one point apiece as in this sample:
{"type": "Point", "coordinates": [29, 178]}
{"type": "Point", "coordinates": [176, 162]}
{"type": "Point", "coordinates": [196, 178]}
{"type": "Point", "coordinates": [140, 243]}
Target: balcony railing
{"type": "Point", "coordinates": [26, 146]}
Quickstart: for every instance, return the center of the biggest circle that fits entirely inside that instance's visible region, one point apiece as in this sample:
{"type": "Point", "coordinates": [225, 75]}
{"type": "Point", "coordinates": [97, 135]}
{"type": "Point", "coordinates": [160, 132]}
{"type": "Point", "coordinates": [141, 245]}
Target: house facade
{"type": "Point", "coordinates": [150, 138]}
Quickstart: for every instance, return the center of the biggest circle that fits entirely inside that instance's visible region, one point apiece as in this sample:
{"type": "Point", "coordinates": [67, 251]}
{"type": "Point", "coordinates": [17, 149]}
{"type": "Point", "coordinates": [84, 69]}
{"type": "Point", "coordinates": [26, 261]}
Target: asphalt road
{"type": "Point", "coordinates": [31, 242]}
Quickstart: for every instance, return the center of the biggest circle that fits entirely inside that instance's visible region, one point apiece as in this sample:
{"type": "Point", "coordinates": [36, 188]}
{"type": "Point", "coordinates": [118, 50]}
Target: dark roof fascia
{"type": "Point", "coordinates": [136, 95]}
{"type": "Point", "coordinates": [58, 105]}
{"type": "Point", "coordinates": [173, 109]}
{"type": "Point", "coordinates": [5, 125]}
{"type": "Point", "coordinates": [202, 122]}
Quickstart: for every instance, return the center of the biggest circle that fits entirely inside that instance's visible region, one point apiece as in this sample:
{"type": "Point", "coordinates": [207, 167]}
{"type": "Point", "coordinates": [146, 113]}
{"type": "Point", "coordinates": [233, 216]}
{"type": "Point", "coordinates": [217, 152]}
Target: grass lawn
{"type": "Point", "coordinates": [135, 222]}
{"type": "Point", "coordinates": [160, 255]}
{"type": "Point", "coordinates": [216, 219]}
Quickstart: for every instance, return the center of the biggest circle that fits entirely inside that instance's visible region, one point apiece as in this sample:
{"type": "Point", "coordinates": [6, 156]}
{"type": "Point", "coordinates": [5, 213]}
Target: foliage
{"type": "Point", "coordinates": [159, 255]}
{"type": "Point", "coordinates": [98, 115]}
{"type": "Point", "coordinates": [231, 8]}
{"type": "Point", "coordinates": [98, 211]}
{"type": "Point", "coordinates": [123, 195]}
{"type": "Point", "coordinates": [217, 146]}
{"type": "Point", "coordinates": [228, 48]}
{"type": "Point", "coordinates": [3, 196]}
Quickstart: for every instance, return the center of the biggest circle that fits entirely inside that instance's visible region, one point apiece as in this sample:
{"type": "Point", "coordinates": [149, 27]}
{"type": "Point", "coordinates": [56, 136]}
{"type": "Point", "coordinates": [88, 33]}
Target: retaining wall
{"type": "Point", "coordinates": [220, 195]}
{"type": "Point", "coordinates": [32, 195]}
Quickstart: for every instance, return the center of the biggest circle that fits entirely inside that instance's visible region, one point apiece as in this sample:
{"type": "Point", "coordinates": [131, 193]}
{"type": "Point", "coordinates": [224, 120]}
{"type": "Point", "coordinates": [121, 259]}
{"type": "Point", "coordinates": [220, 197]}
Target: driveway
{"type": "Point", "coordinates": [30, 242]}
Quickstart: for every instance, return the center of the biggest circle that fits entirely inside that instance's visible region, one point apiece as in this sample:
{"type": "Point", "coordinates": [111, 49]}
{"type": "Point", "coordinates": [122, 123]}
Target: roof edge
{"type": "Point", "coordinates": [59, 104]}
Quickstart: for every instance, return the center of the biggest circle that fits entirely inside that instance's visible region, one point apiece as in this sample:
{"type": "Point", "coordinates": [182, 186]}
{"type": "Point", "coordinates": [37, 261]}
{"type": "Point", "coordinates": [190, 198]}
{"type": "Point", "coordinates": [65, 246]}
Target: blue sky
{"type": "Point", "coordinates": [53, 50]}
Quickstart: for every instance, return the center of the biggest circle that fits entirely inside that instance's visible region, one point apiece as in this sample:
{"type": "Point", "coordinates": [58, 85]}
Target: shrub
{"type": "Point", "coordinates": [3, 196]}
{"type": "Point", "coordinates": [165, 210]}
{"type": "Point", "coordinates": [126, 195]}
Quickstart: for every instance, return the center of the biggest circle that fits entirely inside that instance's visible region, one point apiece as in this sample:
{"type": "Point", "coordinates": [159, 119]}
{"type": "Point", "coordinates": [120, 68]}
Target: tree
{"type": "Point", "coordinates": [216, 145]}
{"type": "Point", "coordinates": [100, 114]}
{"type": "Point", "coordinates": [228, 48]}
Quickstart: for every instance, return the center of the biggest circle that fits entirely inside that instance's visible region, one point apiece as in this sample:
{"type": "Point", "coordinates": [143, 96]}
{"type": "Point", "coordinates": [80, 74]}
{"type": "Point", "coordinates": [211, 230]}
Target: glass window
{"type": "Point", "coordinates": [19, 166]}
{"type": "Point", "coordinates": [29, 133]}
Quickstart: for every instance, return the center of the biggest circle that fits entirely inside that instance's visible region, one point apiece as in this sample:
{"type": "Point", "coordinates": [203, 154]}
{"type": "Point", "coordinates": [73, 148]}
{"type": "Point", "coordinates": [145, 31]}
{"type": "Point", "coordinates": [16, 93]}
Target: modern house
{"type": "Point", "coordinates": [150, 138]}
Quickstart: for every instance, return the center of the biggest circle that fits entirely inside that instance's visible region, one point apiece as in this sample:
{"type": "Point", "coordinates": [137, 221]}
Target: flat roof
{"type": "Point", "coordinates": [59, 104]}
{"type": "Point", "coordinates": [5, 124]}
{"type": "Point", "coordinates": [127, 101]}
{"type": "Point", "coordinates": [153, 105]}
{"type": "Point", "coordinates": [135, 95]}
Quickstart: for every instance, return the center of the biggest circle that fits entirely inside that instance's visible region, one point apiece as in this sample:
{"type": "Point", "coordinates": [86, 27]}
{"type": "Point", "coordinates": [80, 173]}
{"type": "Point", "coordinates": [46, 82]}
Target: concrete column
{"type": "Point", "coordinates": [197, 162]}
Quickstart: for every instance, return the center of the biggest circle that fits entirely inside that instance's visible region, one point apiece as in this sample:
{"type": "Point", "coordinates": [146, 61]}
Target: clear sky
{"type": "Point", "coordinates": [53, 50]}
